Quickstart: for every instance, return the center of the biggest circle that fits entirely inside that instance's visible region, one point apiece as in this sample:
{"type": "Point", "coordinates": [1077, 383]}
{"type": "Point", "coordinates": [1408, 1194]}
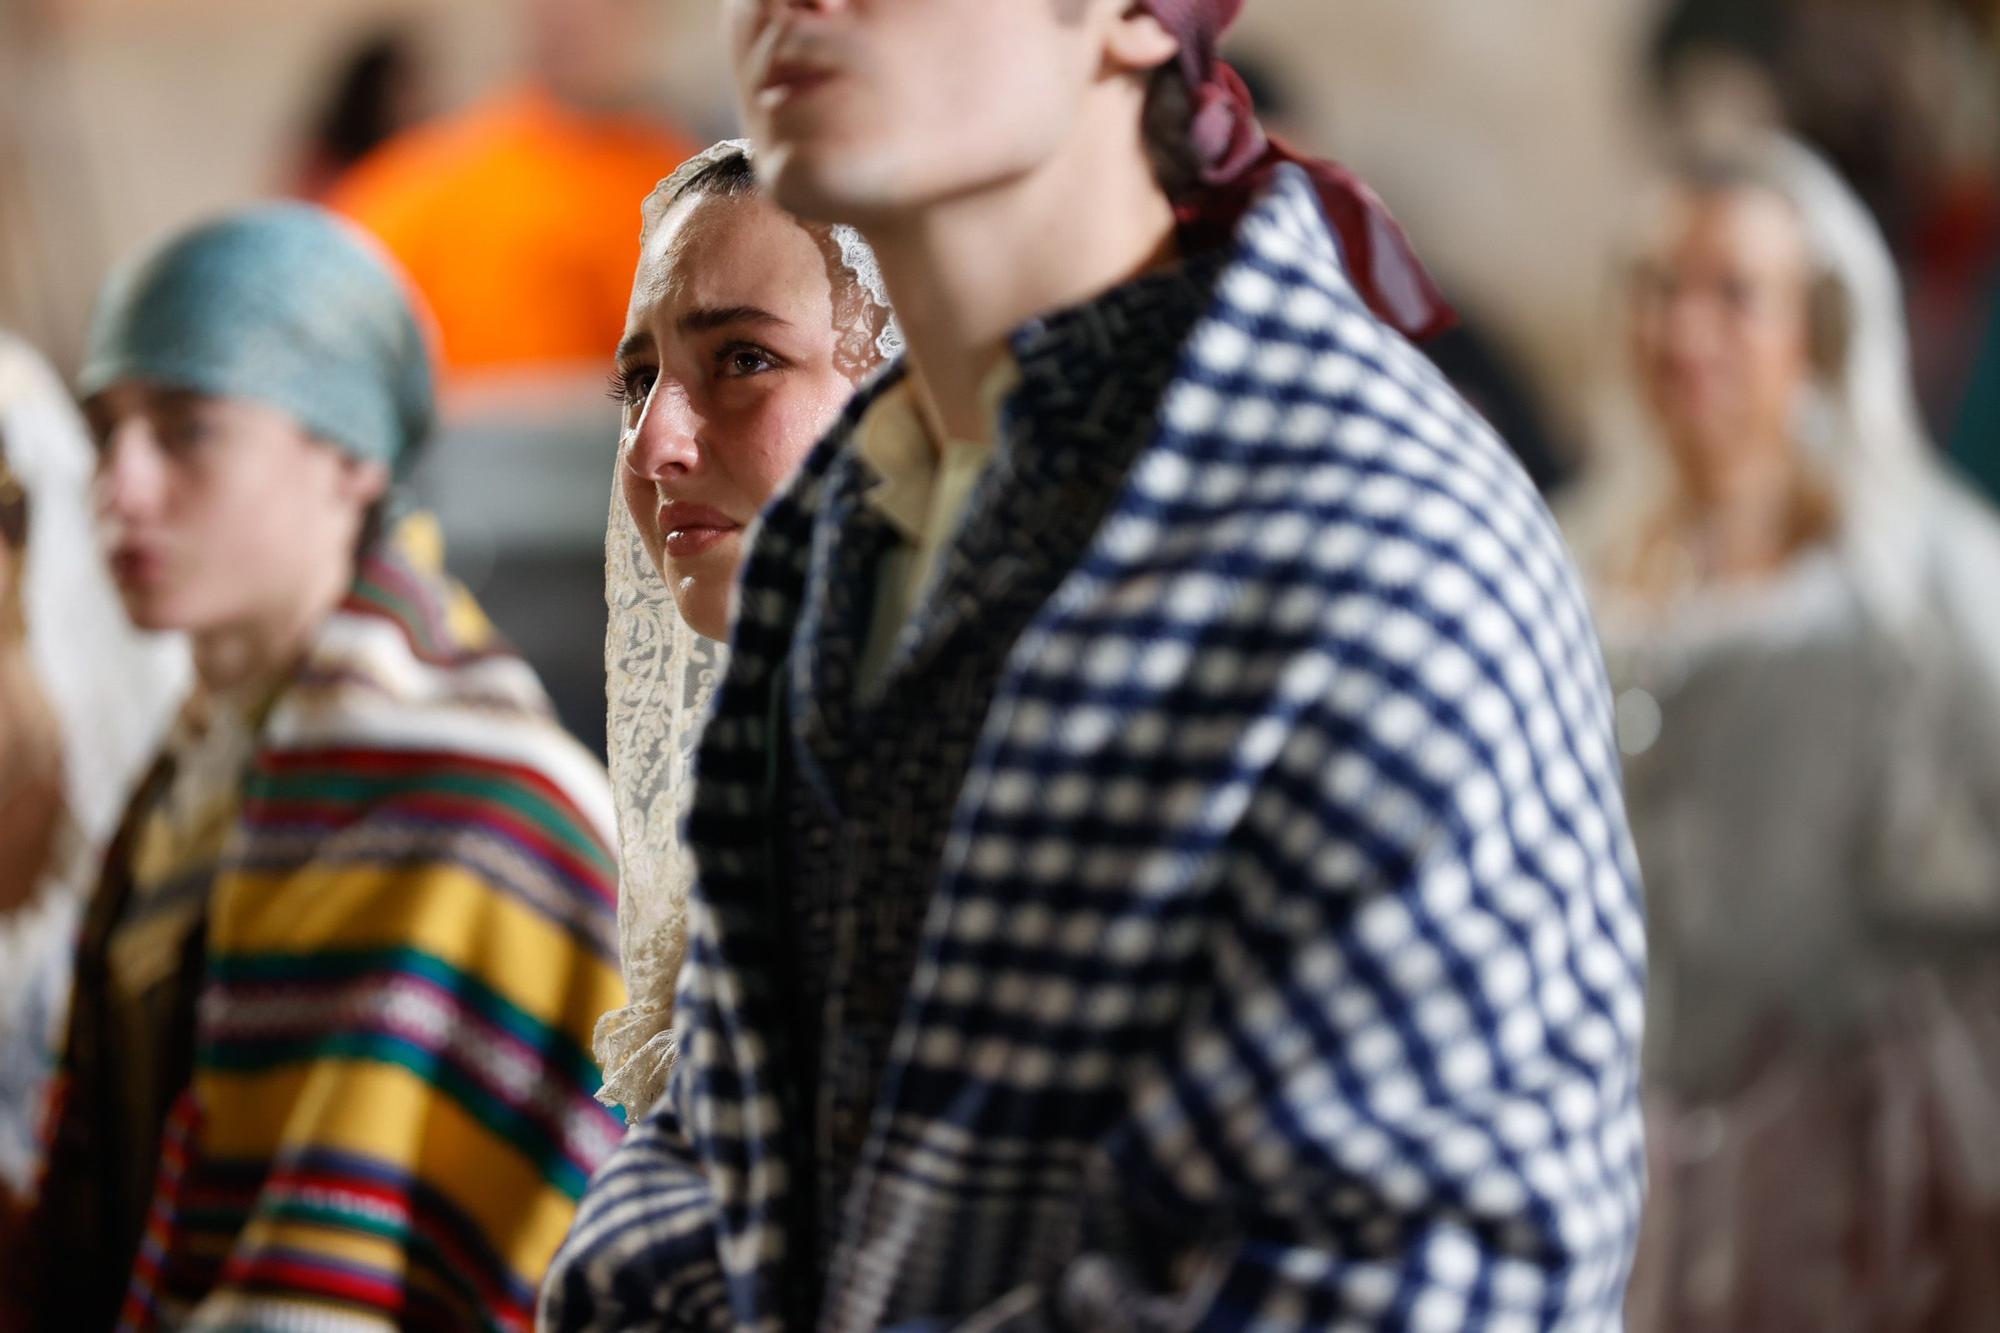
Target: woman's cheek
{"type": "Point", "coordinates": [777, 439]}
{"type": "Point", "coordinates": [642, 502]}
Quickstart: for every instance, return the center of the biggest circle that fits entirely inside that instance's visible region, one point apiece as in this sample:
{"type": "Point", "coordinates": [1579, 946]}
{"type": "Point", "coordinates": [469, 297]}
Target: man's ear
{"type": "Point", "coordinates": [1137, 42]}
{"type": "Point", "coordinates": [363, 481]}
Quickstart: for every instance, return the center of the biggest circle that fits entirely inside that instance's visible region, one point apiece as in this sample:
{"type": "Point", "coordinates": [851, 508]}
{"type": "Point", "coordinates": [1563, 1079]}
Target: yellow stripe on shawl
{"type": "Point", "coordinates": [390, 1115]}
{"type": "Point", "coordinates": [442, 910]}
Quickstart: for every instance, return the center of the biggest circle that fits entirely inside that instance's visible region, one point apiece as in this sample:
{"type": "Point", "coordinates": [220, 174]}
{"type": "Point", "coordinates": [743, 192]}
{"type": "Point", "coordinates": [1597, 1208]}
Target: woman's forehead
{"type": "Point", "coordinates": [1748, 222]}
{"type": "Point", "coordinates": [714, 251]}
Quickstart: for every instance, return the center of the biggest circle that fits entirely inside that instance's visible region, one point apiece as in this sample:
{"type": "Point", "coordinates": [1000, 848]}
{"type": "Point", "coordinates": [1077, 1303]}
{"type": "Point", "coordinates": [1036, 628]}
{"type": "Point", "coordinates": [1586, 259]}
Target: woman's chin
{"type": "Point", "coordinates": [702, 598]}
{"type": "Point", "coordinates": [155, 613]}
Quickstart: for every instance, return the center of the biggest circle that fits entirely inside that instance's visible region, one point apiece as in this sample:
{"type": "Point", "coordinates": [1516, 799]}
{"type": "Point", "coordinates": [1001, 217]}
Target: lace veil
{"type": "Point", "coordinates": [660, 676]}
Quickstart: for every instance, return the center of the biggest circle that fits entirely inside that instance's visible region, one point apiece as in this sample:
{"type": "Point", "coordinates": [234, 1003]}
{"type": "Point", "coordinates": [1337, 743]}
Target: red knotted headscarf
{"type": "Point", "coordinates": [1237, 157]}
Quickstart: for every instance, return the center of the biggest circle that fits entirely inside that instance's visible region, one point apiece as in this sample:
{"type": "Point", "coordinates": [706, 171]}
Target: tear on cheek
{"type": "Point", "coordinates": [642, 509]}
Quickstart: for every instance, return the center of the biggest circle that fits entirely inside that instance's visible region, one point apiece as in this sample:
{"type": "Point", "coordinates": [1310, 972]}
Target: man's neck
{"type": "Point", "coordinates": [965, 273]}
{"type": "Point", "coordinates": [231, 659]}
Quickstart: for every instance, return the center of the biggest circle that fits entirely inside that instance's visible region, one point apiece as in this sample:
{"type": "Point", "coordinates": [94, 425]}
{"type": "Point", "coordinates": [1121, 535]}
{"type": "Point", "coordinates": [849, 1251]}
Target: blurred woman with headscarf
{"type": "Point", "coordinates": [1796, 606]}
{"type": "Point", "coordinates": [83, 699]}
{"type": "Point", "coordinates": [327, 1063]}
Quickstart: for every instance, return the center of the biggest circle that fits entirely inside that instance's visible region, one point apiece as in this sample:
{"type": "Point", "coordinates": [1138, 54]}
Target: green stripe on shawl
{"type": "Point", "coordinates": [555, 1046]}
{"type": "Point", "coordinates": [534, 1143]}
{"type": "Point", "coordinates": [363, 789]}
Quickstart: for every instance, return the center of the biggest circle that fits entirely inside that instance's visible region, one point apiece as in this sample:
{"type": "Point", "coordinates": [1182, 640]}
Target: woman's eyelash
{"type": "Point", "coordinates": [727, 354]}
{"type": "Point", "coordinates": [624, 386]}
{"type": "Point", "coordinates": [630, 385]}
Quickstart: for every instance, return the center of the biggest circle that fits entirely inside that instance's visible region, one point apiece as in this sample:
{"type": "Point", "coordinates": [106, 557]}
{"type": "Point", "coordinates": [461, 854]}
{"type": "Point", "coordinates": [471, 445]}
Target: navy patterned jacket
{"type": "Point", "coordinates": [1285, 966]}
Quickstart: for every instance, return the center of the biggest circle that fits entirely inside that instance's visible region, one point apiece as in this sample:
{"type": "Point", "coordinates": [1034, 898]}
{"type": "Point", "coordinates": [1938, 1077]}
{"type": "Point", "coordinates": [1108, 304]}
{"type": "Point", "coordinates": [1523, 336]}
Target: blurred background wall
{"type": "Point", "coordinates": [1503, 132]}
{"type": "Point", "coordinates": [1509, 135]}
{"type": "Point", "coordinates": [1811, 769]}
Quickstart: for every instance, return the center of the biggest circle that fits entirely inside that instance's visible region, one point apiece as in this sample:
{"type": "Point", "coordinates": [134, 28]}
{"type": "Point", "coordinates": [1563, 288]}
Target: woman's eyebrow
{"type": "Point", "coordinates": [631, 345]}
{"type": "Point", "coordinates": [708, 318]}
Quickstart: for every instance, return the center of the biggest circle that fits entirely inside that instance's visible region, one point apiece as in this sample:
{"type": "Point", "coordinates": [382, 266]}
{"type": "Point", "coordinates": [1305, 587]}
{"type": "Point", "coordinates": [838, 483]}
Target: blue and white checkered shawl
{"type": "Point", "coordinates": [1288, 910]}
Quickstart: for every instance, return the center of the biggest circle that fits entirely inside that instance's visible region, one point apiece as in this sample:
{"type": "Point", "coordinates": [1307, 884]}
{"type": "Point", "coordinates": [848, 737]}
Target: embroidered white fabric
{"type": "Point", "coordinates": [659, 678]}
{"type": "Point", "coordinates": [878, 317]}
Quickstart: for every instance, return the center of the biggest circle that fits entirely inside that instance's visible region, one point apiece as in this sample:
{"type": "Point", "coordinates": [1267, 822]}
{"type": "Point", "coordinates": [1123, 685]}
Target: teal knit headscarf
{"type": "Point", "coordinates": [282, 304]}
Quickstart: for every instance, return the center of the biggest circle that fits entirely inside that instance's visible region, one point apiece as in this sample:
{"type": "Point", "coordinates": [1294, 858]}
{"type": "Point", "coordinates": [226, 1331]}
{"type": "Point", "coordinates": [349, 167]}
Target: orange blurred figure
{"type": "Point", "coordinates": [516, 220]}
{"type": "Point", "coordinates": [518, 217]}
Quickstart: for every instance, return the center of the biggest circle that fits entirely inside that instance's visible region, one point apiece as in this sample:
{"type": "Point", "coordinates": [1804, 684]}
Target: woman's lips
{"type": "Point", "coordinates": [686, 543]}
{"type": "Point", "coordinates": [688, 530]}
{"type": "Point", "coordinates": [136, 565]}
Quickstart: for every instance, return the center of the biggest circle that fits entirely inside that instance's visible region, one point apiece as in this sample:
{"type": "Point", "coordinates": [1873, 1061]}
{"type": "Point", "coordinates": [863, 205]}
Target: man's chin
{"type": "Point", "coordinates": [826, 182]}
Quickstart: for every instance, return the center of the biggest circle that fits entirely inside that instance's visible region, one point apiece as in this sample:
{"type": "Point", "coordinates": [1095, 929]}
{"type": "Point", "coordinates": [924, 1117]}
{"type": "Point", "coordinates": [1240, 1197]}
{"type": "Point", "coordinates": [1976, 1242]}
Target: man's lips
{"type": "Point", "coordinates": [785, 80]}
{"type": "Point", "coordinates": [688, 530]}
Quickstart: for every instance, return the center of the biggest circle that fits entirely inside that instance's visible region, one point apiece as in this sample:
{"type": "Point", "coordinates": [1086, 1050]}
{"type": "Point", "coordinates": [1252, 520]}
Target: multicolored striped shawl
{"type": "Point", "coordinates": [390, 1116]}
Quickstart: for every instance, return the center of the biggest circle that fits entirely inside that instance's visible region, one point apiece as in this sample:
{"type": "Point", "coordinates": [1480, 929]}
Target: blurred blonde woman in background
{"type": "Point", "coordinates": [1796, 606]}
{"type": "Point", "coordinates": [83, 700]}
